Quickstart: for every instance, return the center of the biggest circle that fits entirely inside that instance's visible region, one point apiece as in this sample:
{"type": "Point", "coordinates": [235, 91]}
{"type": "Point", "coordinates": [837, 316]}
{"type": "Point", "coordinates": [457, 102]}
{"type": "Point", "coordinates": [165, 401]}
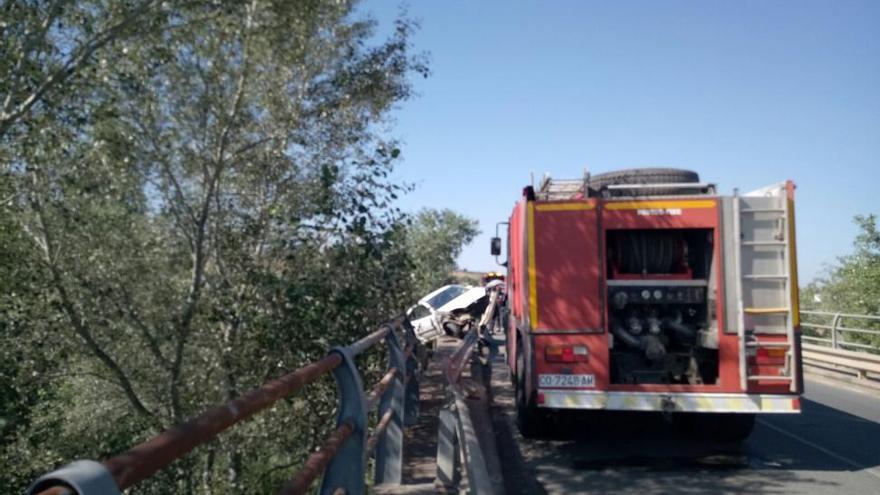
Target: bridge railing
{"type": "Point", "coordinates": [827, 328]}
{"type": "Point", "coordinates": [341, 460]}
{"type": "Point", "coordinates": [830, 342]}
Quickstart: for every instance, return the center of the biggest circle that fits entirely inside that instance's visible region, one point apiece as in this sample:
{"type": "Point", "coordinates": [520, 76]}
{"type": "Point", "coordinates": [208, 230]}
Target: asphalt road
{"type": "Point", "coordinates": [833, 446]}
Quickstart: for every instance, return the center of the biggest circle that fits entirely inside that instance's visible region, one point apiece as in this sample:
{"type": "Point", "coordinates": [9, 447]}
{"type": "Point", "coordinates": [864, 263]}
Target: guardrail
{"type": "Point", "coordinates": [457, 442]}
{"type": "Point", "coordinates": [858, 363]}
{"type": "Point", "coordinates": [343, 456]}
{"type": "Point", "coordinates": [836, 332]}
{"type": "Point", "coordinates": [832, 347]}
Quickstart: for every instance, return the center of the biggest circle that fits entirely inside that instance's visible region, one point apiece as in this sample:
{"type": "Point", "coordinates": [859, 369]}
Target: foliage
{"type": "Point", "coordinates": [50, 47]}
{"type": "Point", "coordinates": [431, 235]}
{"type": "Point", "coordinates": [196, 197]}
{"type": "Point", "coordinates": [853, 284]}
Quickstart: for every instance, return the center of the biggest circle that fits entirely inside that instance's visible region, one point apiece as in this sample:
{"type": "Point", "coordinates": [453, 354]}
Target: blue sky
{"type": "Point", "coordinates": [745, 93]}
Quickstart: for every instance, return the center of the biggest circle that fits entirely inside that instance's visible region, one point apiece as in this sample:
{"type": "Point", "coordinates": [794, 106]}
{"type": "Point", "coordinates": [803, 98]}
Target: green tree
{"type": "Point", "coordinates": [50, 46]}
{"type": "Point", "coordinates": [206, 205]}
{"type": "Point", "coordinates": [436, 238]}
{"type": "Point", "coordinates": [853, 284]}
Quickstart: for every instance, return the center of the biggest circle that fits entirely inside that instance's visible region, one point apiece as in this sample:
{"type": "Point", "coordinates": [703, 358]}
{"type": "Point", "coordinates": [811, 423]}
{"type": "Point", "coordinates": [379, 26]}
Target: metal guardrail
{"type": "Point", "coordinates": [343, 456]}
{"type": "Point", "coordinates": [836, 332]}
{"type": "Point", "coordinates": [457, 442]}
{"type": "Point", "coordinates": [832, 347]}
{"type": "Point", "coordinates": [858, 363]}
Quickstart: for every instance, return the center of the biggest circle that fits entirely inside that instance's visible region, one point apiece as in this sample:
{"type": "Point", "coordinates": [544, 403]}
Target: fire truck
{"type": "Point", "coordinates": [646, 290]}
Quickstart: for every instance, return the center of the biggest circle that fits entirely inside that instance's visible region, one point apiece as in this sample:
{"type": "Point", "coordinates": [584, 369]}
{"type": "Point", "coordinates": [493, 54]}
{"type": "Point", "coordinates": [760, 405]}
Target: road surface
{"type": "Point", "coordinates": [833, 446]}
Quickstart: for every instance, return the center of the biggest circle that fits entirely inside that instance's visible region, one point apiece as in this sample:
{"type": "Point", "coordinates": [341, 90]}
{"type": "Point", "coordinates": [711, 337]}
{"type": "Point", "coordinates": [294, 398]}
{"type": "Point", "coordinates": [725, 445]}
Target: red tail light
{"type": "Point", "coordinates": [566, 353]}
{"type": "Point", "coordinates": [772, 352]}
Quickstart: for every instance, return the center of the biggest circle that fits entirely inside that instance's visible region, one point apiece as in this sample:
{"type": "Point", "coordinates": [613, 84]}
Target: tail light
{"type": "Point", "coordinates": [772, 352]}
{"type": "Point", "coordinates": [566, 353]}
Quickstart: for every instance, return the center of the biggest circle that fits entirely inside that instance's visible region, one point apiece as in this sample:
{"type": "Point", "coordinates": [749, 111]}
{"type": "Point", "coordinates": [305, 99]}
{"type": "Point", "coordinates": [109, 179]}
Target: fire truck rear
{"type": "Point", "coordinates": [645, 290]}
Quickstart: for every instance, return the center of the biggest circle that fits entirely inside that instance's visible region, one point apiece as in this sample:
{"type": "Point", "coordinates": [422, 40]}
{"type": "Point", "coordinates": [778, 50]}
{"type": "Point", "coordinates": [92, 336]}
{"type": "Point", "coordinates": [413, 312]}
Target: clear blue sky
{"type": "Point", "coordinates": [745, 93]}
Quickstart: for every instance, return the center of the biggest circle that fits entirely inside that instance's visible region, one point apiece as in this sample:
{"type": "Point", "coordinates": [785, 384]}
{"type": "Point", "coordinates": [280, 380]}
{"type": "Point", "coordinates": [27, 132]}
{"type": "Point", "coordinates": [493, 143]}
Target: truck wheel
{"type": "Point", "coordinates": [717, 427]}
{"type": "Point", "coordinates": [644, 176]}
{"type": "Point", "coordinates": [734, 427]}
{"type": "Point", "coordinates": [528, 417]}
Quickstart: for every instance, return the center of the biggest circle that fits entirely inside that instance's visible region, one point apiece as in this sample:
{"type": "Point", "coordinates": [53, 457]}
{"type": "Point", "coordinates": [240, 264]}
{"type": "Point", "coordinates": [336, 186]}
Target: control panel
{"type": "Point", "coordinates": [656, 294]}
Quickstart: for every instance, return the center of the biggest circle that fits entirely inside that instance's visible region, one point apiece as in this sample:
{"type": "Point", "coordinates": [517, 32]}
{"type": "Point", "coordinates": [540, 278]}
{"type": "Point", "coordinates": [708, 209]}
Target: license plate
{"type": "Point", "coordinates": [566, 381]}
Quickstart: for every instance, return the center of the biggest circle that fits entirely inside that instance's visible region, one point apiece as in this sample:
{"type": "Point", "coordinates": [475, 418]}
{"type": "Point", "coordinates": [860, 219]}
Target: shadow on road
{"type": "Point", "coordinates": [823, 438]}
{"type": "Point", "coordinates": [643, 453]}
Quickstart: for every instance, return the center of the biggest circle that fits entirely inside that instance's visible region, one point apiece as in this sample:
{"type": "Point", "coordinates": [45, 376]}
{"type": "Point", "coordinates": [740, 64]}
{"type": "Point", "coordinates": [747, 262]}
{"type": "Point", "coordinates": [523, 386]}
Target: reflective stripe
{"type": "Point", "coordinates": [533, 276]}
{"type": "Point", "coordinates": [635, 205]}
{"type": "Point", "coordinates": [652, 401]}
{"type": "Point", "coordinates": [792, 266]}
{"type": "Point", "coordinates": [564, 206]}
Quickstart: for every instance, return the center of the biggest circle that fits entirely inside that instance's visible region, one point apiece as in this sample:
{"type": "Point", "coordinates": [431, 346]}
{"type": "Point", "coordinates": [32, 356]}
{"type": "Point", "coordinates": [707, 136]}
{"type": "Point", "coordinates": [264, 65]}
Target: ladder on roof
{"type": "Point", "coordinates": [560, 189]}
{"type": "Point", "coordinates": [764, 285]}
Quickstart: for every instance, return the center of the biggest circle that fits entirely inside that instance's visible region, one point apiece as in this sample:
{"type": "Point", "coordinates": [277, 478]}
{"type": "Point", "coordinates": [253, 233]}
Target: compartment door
{"type": "Point", "coordinates": [565, 276]}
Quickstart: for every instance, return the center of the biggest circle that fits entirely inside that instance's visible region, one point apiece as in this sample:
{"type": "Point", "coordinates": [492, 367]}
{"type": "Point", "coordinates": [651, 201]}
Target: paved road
{"type": "Point", "coordinates": [833, 446]}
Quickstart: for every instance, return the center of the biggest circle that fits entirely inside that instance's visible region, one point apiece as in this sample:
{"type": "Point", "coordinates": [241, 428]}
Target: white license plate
{"type": "Point", "coordinates": [566, 381]}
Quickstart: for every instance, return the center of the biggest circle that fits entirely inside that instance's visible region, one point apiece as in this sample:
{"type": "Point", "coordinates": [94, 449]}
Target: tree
{"type": "Point", "coordinates": [205, 207]}
{"type": "Point", "coordinates": [853, 284]}
{"type": "Point", "coordinates": [436, 238]}
{"type": "Point", "coordinates": [47, 45]}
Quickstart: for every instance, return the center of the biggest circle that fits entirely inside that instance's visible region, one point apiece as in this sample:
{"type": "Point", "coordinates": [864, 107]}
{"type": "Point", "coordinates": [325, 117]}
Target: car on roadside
{"type": "Point", "coordinates": [444, 310]}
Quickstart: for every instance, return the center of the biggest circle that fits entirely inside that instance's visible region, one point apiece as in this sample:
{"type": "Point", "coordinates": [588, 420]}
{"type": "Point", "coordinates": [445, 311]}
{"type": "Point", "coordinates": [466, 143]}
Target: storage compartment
{"type": "Point", "coordinates": [659, 307]}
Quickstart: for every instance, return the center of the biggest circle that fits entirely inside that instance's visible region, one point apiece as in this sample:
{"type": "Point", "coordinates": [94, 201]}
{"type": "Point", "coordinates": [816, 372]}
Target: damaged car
{"type": "Point", "coordinates": [449, 310]}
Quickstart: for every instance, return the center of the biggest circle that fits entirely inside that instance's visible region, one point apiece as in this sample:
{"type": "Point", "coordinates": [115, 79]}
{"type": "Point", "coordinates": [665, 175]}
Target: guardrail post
{"type": "Point", "coordinates": [448, 472]}
{"type": "Point", "coordinates": [411, 399]}
{"type": "Point", "coordinates": [834, 322]}
{"type": "Point", "coordinates": [389, 449]}
{"type": "Point", "coordinates": [83, 477]}
{"type": "Point", "coordinates": [346, 469]}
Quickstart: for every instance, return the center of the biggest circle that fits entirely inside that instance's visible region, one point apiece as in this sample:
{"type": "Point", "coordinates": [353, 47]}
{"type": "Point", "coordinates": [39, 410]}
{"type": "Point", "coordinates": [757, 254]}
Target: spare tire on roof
{"type": "Point", "coordinates": [599, 182]}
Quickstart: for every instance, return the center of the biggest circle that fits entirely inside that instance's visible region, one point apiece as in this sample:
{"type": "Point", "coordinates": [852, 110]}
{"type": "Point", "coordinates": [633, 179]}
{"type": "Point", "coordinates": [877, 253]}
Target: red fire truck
{"type": "Point", "coordinates": [645, 290]}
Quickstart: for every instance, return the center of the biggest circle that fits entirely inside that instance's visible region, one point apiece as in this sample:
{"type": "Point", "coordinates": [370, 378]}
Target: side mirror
{"type": "Point", "coordinates": [496, 246]}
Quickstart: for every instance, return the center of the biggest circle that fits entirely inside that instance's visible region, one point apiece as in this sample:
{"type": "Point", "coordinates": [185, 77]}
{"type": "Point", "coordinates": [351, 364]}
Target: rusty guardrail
{"type": "Point", "coordinates": [343, 456]}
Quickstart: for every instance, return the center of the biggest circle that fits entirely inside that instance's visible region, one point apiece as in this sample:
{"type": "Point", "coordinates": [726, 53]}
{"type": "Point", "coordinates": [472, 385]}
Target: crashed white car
{"type": "Point", "coordinates": [430, 317]}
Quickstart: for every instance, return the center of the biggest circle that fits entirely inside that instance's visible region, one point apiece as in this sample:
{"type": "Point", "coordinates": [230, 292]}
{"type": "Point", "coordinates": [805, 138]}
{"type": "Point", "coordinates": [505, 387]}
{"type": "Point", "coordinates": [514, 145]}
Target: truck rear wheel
{"type": "Point", "coordinates": [528, 417]}
{"type": "Point", "coordinates": [734, 427]}
{"type": "Point", "coordinates": [644, 176]}
{"type": "Point", "coordinates": [717, 427]}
